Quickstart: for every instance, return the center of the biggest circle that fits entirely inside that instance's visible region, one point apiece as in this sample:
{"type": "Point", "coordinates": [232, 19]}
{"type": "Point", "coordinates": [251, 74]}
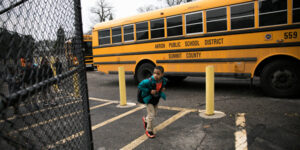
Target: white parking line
{"type": "Point", "coordinates": [102, 100]}
{"type": "Point", "coordinates": [40, 111]}
{"type": "Point", "coordinates": [160, 107]}
{"type": "Point", "coordinates": [161, 126]}
{"type": "Point", "coordinates": [44, 122]}
{"type": "Point", "coordinates": [63, 141]}
{"type": "Point", "coordinates": [98, 106]}
{"type": "Point", "coordinates": [241, 133]}
{"type": "Point", "coordinates": [116, 118]}
{"type": "Point", "coordinates": [141, 139]}
{"type": "Point", "coordinates": [53, 119]}
{"type": "Point", "coordinates": [177, 108]}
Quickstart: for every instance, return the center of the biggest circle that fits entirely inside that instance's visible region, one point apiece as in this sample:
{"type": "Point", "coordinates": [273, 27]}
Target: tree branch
{"type": "Point", "coordinates": [102, 9]}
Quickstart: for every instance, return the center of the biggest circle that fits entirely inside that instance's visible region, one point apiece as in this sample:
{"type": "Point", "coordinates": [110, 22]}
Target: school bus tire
{"type": "Point", "coordinates": [281, 78]}
{"type": "Point", "coordinates": [144, 71]}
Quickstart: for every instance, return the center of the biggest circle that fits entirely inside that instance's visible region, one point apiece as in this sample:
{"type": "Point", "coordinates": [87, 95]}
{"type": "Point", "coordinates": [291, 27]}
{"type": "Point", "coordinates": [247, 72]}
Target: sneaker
{"type": "Point", "coordinates": [150, 134]}
{"type": "Point", "coordinates": [145, 123]}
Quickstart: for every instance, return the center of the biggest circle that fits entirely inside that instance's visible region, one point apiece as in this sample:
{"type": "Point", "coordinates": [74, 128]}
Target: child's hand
{"type": "Point", "coordinates": [163, 89]}
{"type": "Point", "coordinates": [153, 92]}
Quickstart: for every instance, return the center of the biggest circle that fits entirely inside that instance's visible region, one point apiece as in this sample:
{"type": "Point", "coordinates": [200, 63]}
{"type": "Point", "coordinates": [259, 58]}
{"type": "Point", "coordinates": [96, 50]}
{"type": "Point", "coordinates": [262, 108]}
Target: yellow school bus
{"type": "Point", "coordinates": [240, 38]}
{"type": "Point", "coordinates": [88, 55]}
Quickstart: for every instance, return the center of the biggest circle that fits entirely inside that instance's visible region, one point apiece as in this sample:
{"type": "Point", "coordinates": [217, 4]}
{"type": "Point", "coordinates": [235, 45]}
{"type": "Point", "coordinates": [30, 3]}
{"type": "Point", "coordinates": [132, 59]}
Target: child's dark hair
{"type": "Point", "coordinates": [161, 68]}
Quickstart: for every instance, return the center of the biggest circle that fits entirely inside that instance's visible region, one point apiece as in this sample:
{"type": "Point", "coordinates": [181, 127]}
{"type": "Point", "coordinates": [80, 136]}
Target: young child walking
{"type": "Point", "coordinates": [151, 91]}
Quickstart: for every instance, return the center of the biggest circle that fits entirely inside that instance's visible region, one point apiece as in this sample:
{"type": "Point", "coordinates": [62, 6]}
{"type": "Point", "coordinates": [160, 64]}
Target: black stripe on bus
{"type": "Point", "coordinates": [116, 72]}
{"type": "Point", "coordinates": [88, 61]}
{"type": "Point", "coordinates": [295, 26]}
{"type": "Point", "coordinates": [115, 62]}
{"type": "Point", "coordinates": [207, 60]}
{"type": "Point", "coordinates": [202, 74]}
{"type": "Point", "coordinates": [195, 74]}
{"type": "Point", "coordinates": [206, 49]}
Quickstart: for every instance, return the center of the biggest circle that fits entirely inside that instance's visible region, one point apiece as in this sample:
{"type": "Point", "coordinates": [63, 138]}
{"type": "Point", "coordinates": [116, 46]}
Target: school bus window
{"type": "Point", "coordinates": [174, 25]}
{"type": "Point", "coordinates": [104, 36]}
{"type": "Point", "coordinates": [194, 22]}
{"type": "Point", "coordinates": [116, 35]}
{"type": "Point", "coordinates": [142, 31]}
{"type": "Point", "coordinates": [272, 12]}
{"type": "Point", "coordinates": [128, 33]}
{"type": "Point", "coordinates": [242, 16]}
{"type": "Point", "coordinates": [216, 19]}
{"type": "Point", "coordinates": [157, 28]}
{"type": "Point", "coordinates": [296, 11]}
{"type": "Point", "coordinates": [232, 53]}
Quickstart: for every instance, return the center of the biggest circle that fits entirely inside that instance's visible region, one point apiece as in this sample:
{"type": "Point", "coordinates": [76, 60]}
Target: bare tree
{"type": "Point", "coordinates": [147, 8]}
{"type": "Point", "coordinates": [175, 2]}
{"type": "Point", "coordinates": [111, 17]}
{"type": "Point", "coordinates": [167, 2]}
{"type": "Point", "coordinates": [103, 10]}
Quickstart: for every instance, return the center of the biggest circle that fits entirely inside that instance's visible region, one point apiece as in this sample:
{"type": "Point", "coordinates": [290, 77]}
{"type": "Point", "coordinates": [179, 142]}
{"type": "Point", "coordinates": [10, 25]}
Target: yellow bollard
{"type": "Point", "coordinates": [122, 86]}
{"type": "Point", "coordinates": [210, 106]}
{"type": "Point", "coordinates": [76, 85]}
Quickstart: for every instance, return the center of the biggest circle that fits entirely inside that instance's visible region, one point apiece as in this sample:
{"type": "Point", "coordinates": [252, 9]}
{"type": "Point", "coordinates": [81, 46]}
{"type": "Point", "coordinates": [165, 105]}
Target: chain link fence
{"type": "Point", "coordinates": [43, 91]}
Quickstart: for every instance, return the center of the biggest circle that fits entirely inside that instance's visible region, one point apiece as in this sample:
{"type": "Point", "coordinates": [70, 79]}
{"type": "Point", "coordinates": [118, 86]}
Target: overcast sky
{"type": "Point", "coordinates": [121, 8]}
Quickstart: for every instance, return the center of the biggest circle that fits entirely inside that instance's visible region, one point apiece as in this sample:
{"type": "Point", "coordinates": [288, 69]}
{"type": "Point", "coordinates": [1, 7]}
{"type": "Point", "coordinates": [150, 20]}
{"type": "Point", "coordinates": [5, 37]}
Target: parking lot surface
{"type": "Point", "coordinates": [252, 121]}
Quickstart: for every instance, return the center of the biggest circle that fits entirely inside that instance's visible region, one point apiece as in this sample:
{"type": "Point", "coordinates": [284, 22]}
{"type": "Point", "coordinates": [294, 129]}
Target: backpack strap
{"type": "Point", "coordinates": [154, 85]}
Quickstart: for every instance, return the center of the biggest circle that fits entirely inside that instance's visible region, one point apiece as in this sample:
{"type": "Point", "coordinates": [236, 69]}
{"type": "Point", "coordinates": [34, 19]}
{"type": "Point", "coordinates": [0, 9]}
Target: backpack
{"type": "Point", "coordinates": [139, 93]}
{"type": "Point", "coordinates": [139, 97]}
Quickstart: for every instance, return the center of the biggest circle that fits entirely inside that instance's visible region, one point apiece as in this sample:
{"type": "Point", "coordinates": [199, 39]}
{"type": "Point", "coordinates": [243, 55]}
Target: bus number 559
{"type": "Point", "coordinates": [290, 35]}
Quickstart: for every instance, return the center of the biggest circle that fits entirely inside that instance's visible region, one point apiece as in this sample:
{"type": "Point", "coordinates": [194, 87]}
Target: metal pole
{"type": "Point", "coordinates": [210, 108]}
{"type": "Point", "coordinates": [82, 74]}
{"type": "Point", "coordinates": [122, 86]}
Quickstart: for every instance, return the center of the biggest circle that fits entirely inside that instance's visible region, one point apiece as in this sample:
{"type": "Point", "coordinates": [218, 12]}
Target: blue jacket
{"type": "Point", "coordinates": [146, 86]}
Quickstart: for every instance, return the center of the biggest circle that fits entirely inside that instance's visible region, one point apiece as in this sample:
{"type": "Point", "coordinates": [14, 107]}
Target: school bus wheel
{"type": "Point", "coordinates": [144, 71]}
{"type": "Point", "coordinates": [281, 78]}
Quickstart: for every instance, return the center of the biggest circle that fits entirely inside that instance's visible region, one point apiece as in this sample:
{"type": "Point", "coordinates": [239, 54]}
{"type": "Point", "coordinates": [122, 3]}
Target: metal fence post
{"type": "Point", "coordinates": [82, 75]}
{"type": "Point", "coordinates": [38, 79]}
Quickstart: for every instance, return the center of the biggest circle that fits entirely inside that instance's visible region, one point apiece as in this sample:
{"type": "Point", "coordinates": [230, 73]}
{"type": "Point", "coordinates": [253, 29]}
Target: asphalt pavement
{"type": "Point", "coordinates": [252, 121]}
